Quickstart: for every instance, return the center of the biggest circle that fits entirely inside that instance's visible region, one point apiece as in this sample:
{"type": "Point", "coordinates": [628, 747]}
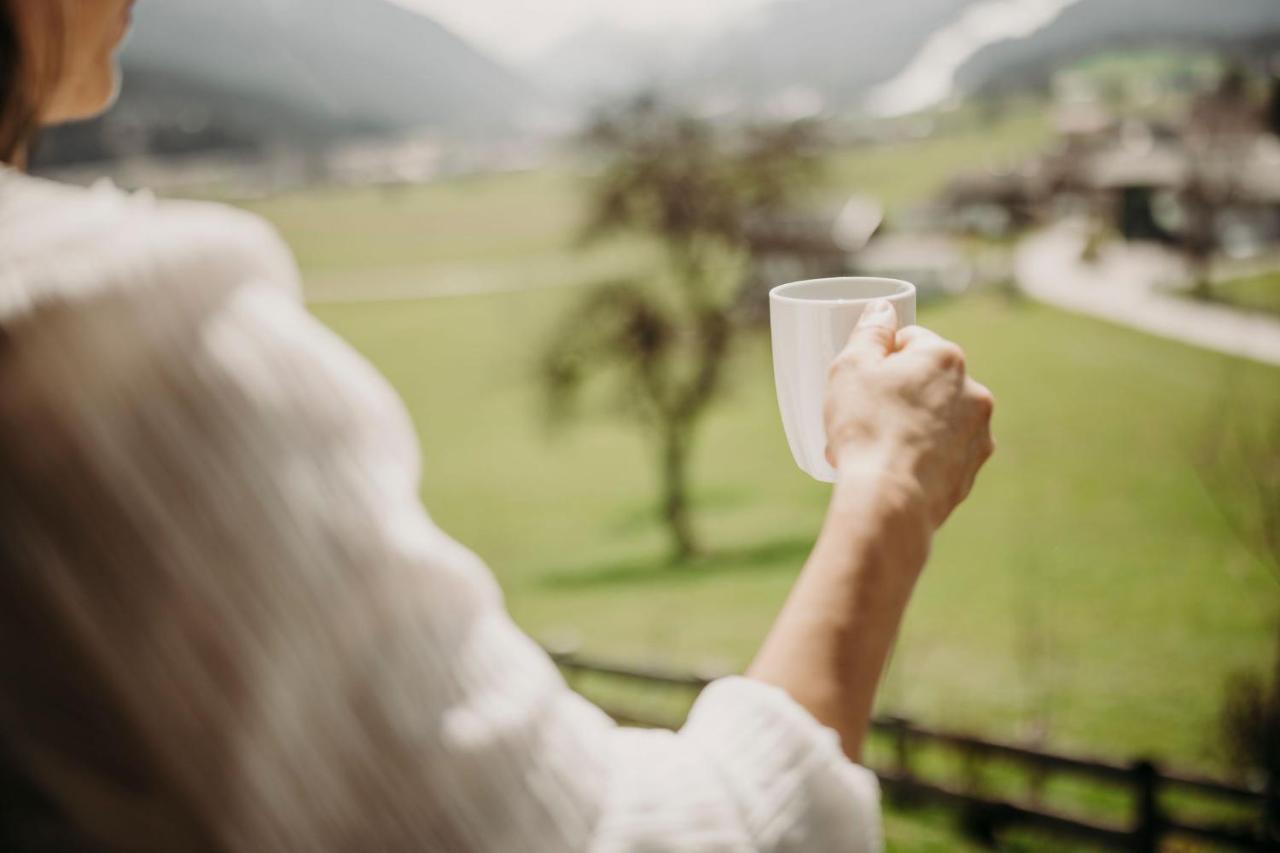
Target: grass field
{"type": "Point", "coordinates": [1090, 574]}
{"type": "Point", "coordinates": [1090, 588]}
{"type": "Point", "coordinates": [1251, 293]}
{"type": "Point", "coordinates": [910, 172]}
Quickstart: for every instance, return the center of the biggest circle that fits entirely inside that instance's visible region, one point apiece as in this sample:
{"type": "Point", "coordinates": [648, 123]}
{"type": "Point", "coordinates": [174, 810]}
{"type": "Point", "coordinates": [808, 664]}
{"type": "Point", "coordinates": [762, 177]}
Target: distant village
{"type": "Point", "coordinates": [1204, 184]}
{"type": "Point", "coordinates": [1208, 179]}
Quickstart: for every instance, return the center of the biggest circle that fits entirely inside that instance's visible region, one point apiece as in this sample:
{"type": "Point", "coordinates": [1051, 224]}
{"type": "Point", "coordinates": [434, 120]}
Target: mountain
{"type": "Point", "coordinates": [257, 73]}
{"type": "Point", "coordinates": [1089, 26]}
{"type": "Point", "coordinates": [360, 61]}
{"type": "Point", "coordinates": [834, 47]}
{"type": "Point", "coordinates": [295, 70]}
{"type": "Point", "coordinates": [840, 51]}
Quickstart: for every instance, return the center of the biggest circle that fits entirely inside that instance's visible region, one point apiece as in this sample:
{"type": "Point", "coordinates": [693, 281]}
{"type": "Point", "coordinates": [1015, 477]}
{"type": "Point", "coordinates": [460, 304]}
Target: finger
{"type": "Point", "coordinates": [916, 339]}
{"type": "Point", "coordinates": [977, 457]}
{"type": "Point", "coordinates": [983, 452]}
{"type": "Point", "coordinates": [981, 448]}
{"type": "Point", "coordinates": [983, 400]}
{"type": "Point", "coordinates": [873, 337]}
{"type": "Point", "coordinates": [966, 488]}
{"type": "Point", "coordinates": [916, 336]}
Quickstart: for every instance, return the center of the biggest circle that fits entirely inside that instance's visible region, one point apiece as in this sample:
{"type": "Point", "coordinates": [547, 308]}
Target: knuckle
{"type": "Point", "coordinates": [979, 398]}
{"type": "Point", "coordinates": [949, 356]}
{"type": "Point", "coordinates": [985, 401]}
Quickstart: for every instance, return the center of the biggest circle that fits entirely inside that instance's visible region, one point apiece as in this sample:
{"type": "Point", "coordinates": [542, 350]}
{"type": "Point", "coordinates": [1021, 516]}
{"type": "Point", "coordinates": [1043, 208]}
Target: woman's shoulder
{"type": "Point", "coordinates": [61, 243]}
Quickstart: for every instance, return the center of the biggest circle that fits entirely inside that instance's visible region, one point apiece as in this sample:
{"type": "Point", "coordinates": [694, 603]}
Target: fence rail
{"type": "Point", "coordinates": [1151, 819]}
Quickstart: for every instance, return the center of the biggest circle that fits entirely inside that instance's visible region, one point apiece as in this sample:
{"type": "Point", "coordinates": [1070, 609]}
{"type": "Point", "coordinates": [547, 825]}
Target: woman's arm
{"type": "Point", "coordinates": [828, 647]}
{"type": "Point", "coordinates": [909, 432]}
{"type": "Point", "coordinates": [212, 504]}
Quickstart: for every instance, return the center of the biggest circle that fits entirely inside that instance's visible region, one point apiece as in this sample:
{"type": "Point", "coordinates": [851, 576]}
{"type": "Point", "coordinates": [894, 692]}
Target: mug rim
{"type": "Point", "coordinates": [902, 288]}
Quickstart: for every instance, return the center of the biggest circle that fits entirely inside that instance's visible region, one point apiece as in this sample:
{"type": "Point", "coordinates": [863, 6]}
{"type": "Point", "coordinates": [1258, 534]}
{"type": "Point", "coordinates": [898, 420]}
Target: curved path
{"type": "Point", "coordinates": [1127, 284]}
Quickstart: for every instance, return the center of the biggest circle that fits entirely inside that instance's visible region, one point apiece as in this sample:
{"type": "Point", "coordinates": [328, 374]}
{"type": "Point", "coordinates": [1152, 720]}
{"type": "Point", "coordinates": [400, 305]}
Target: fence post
{"type": "Point", "coordinates": [973, 765]}
{"type": "Point", "coordinates": [1147, 826]}
{"type": "Point", "coordinates": [900, 790]}
{"type": "Point", "coordinates": [1271, 810]}
{"type": "Point", "coordinates": [901, 747]}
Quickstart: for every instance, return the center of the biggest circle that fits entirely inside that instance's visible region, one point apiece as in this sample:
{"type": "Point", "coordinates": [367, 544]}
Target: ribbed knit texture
{"type": "Point", "coordinates": [227, 623]}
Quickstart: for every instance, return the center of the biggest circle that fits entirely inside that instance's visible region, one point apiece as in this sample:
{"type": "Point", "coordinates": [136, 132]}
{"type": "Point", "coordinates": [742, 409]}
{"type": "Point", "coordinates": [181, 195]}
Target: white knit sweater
{"type": "Point", "coordinates": [227, 623]}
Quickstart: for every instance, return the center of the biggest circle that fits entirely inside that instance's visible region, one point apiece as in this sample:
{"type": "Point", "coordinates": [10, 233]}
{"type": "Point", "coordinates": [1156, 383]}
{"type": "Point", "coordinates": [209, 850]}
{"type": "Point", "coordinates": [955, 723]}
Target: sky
{"type": "Point", "coordinates": [517, 30]}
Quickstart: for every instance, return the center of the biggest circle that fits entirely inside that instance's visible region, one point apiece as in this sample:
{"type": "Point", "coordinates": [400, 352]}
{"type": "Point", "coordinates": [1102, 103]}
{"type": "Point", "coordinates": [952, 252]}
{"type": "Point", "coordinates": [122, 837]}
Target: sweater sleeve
{"type": "Point", "coordinates": [222, 526]}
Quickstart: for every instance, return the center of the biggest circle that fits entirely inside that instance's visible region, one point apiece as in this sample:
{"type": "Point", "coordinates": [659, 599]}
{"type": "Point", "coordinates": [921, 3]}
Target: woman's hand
{"type": "Point", "coordinates": [901, 403]}
{"type": "Point", "coordinates": [908, 431]}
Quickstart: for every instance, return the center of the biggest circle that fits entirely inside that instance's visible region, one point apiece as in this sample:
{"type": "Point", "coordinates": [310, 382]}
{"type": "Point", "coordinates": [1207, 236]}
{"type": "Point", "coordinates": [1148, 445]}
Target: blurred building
{"type": "Point", "coordinates": [385, 161]}
{"type": "Point", "coordinates": [1212, 177]}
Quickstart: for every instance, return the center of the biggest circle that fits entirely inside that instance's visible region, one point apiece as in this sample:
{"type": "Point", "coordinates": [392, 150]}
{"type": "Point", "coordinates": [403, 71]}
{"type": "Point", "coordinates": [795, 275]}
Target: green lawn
{"type": "Point", "coordinates": [1089, 575]}
{"type": "Point", "coordinates": [1090, 587]}
{"type": "Point", "coordinates": [910, 172]}
{"type": "Point", "coordinates": [1252, 293]}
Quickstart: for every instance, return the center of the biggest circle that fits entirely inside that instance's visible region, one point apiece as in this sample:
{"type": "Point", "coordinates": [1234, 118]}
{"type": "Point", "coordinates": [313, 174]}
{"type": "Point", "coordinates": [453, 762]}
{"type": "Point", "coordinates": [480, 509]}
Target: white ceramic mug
{"type": "Point", "coordinates": [811, 322]}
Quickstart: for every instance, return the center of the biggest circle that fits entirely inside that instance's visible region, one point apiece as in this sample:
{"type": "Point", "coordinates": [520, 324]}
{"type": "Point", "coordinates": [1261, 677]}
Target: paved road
{"type": "Point", "coordinates": [1125, 285]}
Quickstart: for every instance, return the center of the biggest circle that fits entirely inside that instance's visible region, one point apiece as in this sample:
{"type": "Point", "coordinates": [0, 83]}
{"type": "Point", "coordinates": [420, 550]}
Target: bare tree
{"type": "Point", "coordinates": [1250, 721]}
{"type": "Point", "coordinates": [699, 190]}
{"type": "Point", "coordinates": [1240, 465]}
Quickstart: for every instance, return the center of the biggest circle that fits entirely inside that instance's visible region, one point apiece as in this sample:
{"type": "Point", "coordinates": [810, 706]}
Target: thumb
{"type": "Point", "coordinates": [874, 334]}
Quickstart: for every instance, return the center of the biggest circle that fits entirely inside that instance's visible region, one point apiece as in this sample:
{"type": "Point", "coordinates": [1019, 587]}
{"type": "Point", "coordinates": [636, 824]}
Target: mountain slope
{"type": "Point", "coordinates": [247, 74]}
{"type": "Point", "coordinates": [834, 47]}
{"type": "Point", "coordinates": [841, 49]}
{"type": "Point", "coordinates": [359, 61]}
{"type": "Point", "coordinates": [1093, 25]}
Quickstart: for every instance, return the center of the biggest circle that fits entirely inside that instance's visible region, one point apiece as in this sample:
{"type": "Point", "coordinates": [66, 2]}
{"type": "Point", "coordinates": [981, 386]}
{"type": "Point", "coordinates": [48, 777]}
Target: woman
{"type": "Point", "coordinates": [226, 623]}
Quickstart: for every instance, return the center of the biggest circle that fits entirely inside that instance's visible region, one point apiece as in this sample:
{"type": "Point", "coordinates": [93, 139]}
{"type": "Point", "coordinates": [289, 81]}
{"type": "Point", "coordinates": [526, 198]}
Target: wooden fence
{"type": "Point", "coordinates": [1149, 788]}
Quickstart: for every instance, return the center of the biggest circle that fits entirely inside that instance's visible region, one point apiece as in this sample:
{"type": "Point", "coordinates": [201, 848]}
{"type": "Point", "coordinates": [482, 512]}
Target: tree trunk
{"type": "Point", "coordinates": [1203, 289]}
{"type": "Point", "coordinates": [1198, 241]}
{"type": "Point", "coordinates": [675, 492]}
{"type": "Point", "coordinates": [1199, 261]}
